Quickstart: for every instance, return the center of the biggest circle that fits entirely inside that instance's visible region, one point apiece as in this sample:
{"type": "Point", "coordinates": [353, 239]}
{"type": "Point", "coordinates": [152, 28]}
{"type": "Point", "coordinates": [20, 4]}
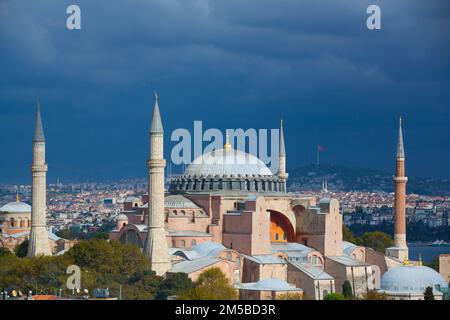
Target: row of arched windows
{"type": "Point", "coordinates": [19, 223]}
{"type": "Point", "coordinates": [183, 243]}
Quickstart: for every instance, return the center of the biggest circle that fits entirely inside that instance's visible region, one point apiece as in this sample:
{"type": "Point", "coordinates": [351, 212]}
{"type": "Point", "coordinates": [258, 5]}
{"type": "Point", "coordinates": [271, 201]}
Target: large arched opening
{"type": "Point", "coordinates": [281, 229]}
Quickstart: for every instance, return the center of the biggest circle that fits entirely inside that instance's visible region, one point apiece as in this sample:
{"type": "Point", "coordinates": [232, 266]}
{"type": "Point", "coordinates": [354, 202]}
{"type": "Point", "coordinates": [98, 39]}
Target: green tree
{"type": "Point", "coordinates": [212, 284]}
{"type": "Point", "coordinates": [21, 249]}
{"type": "Point", "coordinates": [433, 264]}
{"type": "Point", "coordinates": [375, 295]}
{"type": "Point", "coordinates": [347, 234]}
{"type": "Point", "coordinates": [174, 284]}
{"type": "Point", "coordinates": [4, 252]}
{"type": "Point", "coordinates": [347, 290]}
{"type": "Point", "coordinates": [66, 234]}
{"type": "Point", "coordinates": [428, 294]}
{"type": "Point", "coordinates": [377, 240]}
{"type": "Point", "coordinates": [334, 296]}
{"type": "Point", "coordinates": [101, 235]}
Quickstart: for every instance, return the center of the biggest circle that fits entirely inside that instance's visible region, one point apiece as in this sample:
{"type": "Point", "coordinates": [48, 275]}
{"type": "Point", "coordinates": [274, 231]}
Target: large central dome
{"type": "Point", "coordinates": [227, 162]}
{"type": "Point", "coordinates": [227, 170]}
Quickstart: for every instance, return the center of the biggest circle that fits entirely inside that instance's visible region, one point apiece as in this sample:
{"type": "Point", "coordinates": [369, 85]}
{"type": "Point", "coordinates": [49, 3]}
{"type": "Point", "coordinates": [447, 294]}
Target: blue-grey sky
{"type": "Point", "coordinates": [232, 64]}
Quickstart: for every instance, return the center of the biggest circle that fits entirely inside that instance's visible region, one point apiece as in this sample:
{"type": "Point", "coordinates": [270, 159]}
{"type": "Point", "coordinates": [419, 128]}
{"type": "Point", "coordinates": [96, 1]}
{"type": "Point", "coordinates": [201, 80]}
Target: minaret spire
{"type": "Point", "coordinates": [282, 147]}
{"type": "Point", "coordinates": [39, 243]}
{"type": "Point", "coordinates": [400, 249]}
{"type": "Point", "coordinates": [400, 148]}
{"type": "Point", "coordinates": [156, 126]}
{"type": "Point", "coordinates": [38, 129]}
{"type": "Point", "coordinates": [155, 247]}
{"type": "Point", "coordinates": [282, 174]}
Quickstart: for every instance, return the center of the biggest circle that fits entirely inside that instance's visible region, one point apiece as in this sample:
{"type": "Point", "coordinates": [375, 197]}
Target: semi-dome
{"type": "Point", "coordinates": [227, 162]}
{"type": "Point", "coordinates": [178, 201]}
{"type": "Point", "coordinates": [409, 278]}
{"type": "Point", "coordinates": [16, 207]}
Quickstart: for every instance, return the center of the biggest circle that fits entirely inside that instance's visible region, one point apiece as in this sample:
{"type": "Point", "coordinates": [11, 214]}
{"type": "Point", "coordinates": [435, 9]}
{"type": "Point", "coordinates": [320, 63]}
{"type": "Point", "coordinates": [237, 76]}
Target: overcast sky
{"type": "Point", "coordinates": [233, 64]}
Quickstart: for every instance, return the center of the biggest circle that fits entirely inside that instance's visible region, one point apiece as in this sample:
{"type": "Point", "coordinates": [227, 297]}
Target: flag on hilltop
{"type": "Point", "coordinates": [320, 148]}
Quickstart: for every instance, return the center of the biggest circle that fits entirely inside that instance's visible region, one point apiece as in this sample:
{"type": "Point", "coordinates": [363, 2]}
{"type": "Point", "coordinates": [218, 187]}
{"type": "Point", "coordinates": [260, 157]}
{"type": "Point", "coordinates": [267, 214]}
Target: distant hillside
{"type": "Point", "coordinates": [341, 178]}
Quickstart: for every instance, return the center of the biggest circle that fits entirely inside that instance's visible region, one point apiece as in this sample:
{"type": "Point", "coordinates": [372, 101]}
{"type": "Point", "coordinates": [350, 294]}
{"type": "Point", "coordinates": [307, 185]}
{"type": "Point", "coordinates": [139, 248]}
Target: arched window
{"type": "Point", "coordinates": [276, 236]}
{"type": "Point", "coordinates": [11, 222]}
{"type": "Point", "coordinates": [175, 212]}
{"type": "Point", "coordinates": [183, 212]}
{"type": "Point", "coordinates": [174, 244]}
{"type": "Point", "coordinates": [182, 244]}
{"type": "Point", "coordinates": [193, 243]}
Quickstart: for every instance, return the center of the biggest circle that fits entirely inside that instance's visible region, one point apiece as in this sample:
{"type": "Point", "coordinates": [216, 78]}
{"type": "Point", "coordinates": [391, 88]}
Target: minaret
{"type": "Point", "coordinates": [38, 242]}
{"type": "Point", "coordinates": [282, 160]}
{"type": "Point", "coordinates": [156, 244]}
{"type": "Point", "coordinates": [400, 249]}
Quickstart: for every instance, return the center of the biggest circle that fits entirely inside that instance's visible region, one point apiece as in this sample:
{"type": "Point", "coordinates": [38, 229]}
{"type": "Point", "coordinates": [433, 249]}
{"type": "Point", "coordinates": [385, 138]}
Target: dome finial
{"type": "Point", "coordinates": [227, 144]}
{"type": "Point", "coordinates": [420, 260]}
{"type": "Point", "coordinates": [406, 262]}
{"type": "Point", "coordinates": [17, 196]}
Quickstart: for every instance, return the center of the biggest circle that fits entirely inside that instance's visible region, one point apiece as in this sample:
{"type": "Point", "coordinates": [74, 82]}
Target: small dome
{"type": "Point", "coordinates": [16, 207]}
{"type": "Point", "coordinates": [227, 162]}
{"type": "Point", "coordinates": [208, 248]}
{"type": "Point", "coordinates": [122, 217]}
{"type": "Point", "coordinates": [411, 279]}
{"type": "Point", "coordinates": [180, 202]}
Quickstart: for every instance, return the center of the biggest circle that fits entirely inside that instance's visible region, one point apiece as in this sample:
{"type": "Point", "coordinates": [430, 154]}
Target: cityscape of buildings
{"type": "Point", "coordinates": [85, 207]}
{"type": "Point", "coordinates": [228, 211]}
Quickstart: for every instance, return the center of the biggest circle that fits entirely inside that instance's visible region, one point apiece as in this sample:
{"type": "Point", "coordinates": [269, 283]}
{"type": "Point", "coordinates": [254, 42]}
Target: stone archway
{"type": "Point", "coordinates": [281, 228]}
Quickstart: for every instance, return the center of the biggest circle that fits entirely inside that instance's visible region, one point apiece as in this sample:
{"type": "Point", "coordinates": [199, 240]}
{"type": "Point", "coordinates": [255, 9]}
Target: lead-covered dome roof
{"type": "Point", "coordinates": [16, 207]}
{"type": "Point", "coordinates": [411, 279]}
{"type": "Point", "coordinates": [227, 162]}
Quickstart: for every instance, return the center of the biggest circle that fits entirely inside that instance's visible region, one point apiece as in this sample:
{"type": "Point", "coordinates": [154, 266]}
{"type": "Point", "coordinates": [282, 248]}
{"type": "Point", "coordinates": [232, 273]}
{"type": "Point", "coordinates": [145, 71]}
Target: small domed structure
{"type": "Point", "coordinates": [15, 217]}
{"type": "Point", "coordinates": [410, 282]}
{"type": "Point", "coordinates": [121, 221]}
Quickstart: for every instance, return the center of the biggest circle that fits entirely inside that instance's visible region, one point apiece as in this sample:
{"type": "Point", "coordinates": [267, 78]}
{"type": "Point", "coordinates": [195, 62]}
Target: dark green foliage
{"type": "Point", "coordinates": [334, 296]}
{"type": "Point", "coordinates": [104, 264]}
{"type": "Point", "coordinates": [4, 252]}
{"type": "Point", "coordinates": [174, 284]}
{"type": "Point", "coordinates": [66, 234]}
{"type": "Point", "coordinates": [212, 284]}
{"type": "Point", "coordinates": [377, 240]}
{"type": "Point", "coordinates": [428, 294]}
{"type": "Point", "coordinates": [433, 264]}
{"type": "Point", "coordinates": [21, 249]}
{"type": "Point", "coordinates": [347, 290]}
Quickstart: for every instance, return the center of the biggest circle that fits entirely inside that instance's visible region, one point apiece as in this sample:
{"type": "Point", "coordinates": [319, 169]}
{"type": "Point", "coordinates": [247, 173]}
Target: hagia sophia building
{"type": "Point", "coordinates": [229, 211]}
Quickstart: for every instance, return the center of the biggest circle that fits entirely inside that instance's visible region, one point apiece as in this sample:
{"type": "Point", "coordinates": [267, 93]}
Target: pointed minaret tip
{"type": "Point", "coordinates": [156, 126]}
{"type": "Point", "coordinates": [282, 147]}
{"type": "Point", "coordinates": [38, 129]}
{"type": "Point", "coordinates": [400, 147]}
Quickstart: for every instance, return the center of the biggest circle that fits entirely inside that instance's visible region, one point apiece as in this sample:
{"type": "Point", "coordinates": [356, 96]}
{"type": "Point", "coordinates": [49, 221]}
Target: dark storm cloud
{"type": "Point", "coordinates": [232, 64]}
